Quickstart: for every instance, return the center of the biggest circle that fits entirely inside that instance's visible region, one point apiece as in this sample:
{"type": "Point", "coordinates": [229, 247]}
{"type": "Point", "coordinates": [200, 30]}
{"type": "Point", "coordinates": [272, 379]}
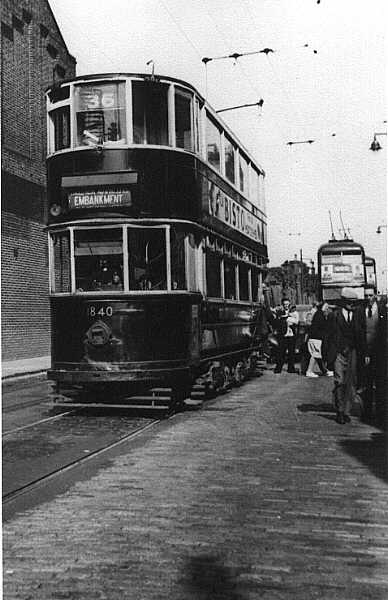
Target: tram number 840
{"type": "Point", "coordinates": [103, 311]}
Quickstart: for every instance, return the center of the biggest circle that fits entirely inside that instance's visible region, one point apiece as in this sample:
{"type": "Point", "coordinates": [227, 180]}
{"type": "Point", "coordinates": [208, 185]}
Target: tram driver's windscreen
{"type": "Point", "coordinates": [99, 262]}
{"type": "Point", "coordinates": [98, 259]}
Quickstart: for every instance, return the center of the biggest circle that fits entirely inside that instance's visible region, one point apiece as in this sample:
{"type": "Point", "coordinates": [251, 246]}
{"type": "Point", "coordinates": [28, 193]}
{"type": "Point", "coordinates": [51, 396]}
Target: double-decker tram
{"type": "Point", "coordinates": [370, 272]}
{"type": "Point", "coordinates": [341, 263]}
{"type": "Point", "coordinates": [157, 239]}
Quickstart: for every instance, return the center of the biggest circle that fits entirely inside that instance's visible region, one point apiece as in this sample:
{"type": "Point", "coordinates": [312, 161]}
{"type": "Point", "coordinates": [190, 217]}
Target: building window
{"type": "Point", "coordinates": [213, 141]}
{"type": "Point", "coordinates": [229, 160]}
{"type": "Point", "coordinates": [150, 113]}
{"type": "Point", "coordinates": [213, 274]}
{"type": "Point", "coordinates": [100, 111]}
{"type": "Point", "coordinates": [61, 121]}
{"type": "Point", "coordinates": [183, 120]}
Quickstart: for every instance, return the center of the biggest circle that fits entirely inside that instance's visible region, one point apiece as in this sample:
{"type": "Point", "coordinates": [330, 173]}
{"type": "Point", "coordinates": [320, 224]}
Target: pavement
{"type": "Point", "coordinates": [25, 367]}
{"type": "Point", "coordinates": [258, 495]}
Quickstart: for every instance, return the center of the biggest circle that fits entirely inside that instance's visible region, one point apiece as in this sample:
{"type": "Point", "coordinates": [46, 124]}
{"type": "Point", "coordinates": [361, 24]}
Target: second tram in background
{"type": "Point", "coordinates": [370, 273]}
{"type": "Point", "coordinates": [157, 238]}
{"type": "Point", "coordinates": [341, 263]}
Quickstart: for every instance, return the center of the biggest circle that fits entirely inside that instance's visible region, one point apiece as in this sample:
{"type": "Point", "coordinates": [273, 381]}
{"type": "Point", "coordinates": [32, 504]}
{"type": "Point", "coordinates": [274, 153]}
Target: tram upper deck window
{"type": "Point", "coordinates": [150, 113]}
{"type": "Point", "coordinates": [183, 119]}
{"type": "Point", "coordinates": [61, 121]}
{"type": "Point", "coordinates": [100, 109]}
{"type": "Point", "coordinates": [254, 187]}
{"type": "Point", "coordinates": [229, 160]}
{"type": "Point", "coordinates": [147, 259]}
{"type": "Point", "coordinates": [61, 281]}
{"type": "Point", "coordinates": [243, 169]}
{"type": "Point", "coordinates": [98, 257]}
{"type": "Point", "coordinates": [213, 142]}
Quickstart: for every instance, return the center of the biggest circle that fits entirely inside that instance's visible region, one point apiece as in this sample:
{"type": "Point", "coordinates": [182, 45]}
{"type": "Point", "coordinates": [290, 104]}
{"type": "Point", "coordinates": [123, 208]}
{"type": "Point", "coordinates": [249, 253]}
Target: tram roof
{"type": "Point", "coordinates": [160, 78]}
{"type": "Point", "coordinates": [341, 245]}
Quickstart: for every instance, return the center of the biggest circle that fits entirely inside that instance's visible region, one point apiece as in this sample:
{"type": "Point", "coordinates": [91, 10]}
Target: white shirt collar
{"type": "Point", "coordinates": [374, 308]}
{"type": "Point", "coordinates": [346, 312]}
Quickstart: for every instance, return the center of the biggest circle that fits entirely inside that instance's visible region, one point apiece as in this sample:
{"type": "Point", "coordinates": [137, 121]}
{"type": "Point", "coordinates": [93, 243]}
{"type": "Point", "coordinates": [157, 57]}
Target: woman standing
{"type": "Point", "coordinates": [318, 331]}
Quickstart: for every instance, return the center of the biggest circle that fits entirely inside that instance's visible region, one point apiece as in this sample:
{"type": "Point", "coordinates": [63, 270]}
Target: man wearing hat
{"type": "Point", "coordinates": [349, 341]}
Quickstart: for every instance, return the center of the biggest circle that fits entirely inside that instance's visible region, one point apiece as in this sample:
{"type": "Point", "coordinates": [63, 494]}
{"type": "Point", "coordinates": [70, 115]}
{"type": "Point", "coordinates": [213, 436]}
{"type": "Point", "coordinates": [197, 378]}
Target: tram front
{"type": "Point", "coordinates": [123, 260]}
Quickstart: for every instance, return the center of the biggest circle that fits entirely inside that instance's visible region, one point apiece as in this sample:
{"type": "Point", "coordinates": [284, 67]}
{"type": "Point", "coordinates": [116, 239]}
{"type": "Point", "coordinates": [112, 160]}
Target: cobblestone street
{"type": "Point", "coordinates": [261, 494]}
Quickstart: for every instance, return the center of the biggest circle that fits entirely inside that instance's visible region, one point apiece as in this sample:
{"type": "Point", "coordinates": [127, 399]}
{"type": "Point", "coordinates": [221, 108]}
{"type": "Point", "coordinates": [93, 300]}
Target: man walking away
{"type": "Point", "coordinates": [349, 339]}
{"type": "Point", "coordinates": [374, 317]}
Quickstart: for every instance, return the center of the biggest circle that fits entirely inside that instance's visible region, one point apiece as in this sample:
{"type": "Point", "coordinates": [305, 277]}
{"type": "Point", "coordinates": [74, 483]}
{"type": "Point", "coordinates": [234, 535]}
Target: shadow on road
{"type": "Point", "coordinates": [326, 407]}
{"type": "Point", "coordinates": [372, 453]}
{"type": "Point", "coordinates": [207, 578]}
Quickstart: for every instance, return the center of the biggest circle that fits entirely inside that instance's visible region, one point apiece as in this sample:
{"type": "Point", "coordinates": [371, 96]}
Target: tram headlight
{"type": "Point", "coordinates": [55, 210]}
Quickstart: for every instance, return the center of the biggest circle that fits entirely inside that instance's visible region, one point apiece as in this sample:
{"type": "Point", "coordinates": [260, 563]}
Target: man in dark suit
{"type": "Point", "coordinates": [349, 340]}
{"type": "Point", "coordinates": [375, 331]}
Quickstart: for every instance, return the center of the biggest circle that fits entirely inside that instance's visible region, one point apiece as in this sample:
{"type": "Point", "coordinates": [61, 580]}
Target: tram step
{"type": "Point", "coordinates": [198, 393]}
{"type": "Point", "coordinates": [158, 400]}
{"type": "Point", "coordinates": [192, 403]}
{"type": "Point", "coordinates": [158, 390]}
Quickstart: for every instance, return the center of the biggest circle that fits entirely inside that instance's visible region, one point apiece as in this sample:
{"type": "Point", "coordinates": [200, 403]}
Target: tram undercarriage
{"type": "Point", "coordinates": [171, 389]}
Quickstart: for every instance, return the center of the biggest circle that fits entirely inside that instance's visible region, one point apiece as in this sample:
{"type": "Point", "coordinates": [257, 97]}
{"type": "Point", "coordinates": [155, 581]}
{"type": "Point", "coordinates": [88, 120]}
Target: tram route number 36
{"type": "Point", "coordinates": [100, 311]}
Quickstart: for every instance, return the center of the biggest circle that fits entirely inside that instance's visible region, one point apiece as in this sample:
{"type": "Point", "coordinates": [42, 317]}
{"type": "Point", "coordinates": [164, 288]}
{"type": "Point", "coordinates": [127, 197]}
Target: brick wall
{"type": "Point", "coordinates": [33, 56]}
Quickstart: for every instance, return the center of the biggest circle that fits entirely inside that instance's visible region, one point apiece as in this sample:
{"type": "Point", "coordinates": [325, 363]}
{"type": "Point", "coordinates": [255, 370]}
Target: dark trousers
{"type": "Point", "coordinates": [286, 346]}
{"type": "Point", "coordinates": [369, 385]}
{"type": "Point", "coordinates": [345, 380]}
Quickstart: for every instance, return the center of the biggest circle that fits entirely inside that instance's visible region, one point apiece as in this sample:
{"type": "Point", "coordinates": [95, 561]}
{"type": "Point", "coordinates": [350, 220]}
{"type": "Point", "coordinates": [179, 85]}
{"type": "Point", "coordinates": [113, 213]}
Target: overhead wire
{"type": "Point", "coordinates": [180, 28]}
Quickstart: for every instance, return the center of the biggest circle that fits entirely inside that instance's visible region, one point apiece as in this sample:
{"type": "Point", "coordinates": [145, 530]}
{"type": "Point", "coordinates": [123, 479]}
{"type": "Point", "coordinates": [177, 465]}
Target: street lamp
{"type": "Point", "coordinates": [375, 145]}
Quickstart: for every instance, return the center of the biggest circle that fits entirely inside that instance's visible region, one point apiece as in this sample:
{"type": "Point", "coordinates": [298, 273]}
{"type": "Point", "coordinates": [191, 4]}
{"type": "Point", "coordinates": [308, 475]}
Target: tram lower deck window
{"type": "Point", "coordinates": [98, 257]}
{"type": "Point", "coordinates": [61, 281]}
{"type": "Point", "coordinates": [213, 274]}
{"type": "Point", "coordinates": [147, 259]}
{"type": "Point", "coordinates": [243, 274]}
{"type": "Point", "coordinates": [230, 279]}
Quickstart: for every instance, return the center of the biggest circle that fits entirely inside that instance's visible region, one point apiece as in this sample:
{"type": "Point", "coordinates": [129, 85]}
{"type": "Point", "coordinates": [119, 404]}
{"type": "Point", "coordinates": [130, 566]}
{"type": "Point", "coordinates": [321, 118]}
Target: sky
{"type": "Point", "coordinates": [325, 80]}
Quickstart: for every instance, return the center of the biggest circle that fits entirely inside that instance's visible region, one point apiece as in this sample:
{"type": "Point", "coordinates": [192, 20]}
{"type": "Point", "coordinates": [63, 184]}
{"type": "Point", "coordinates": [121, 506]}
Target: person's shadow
{"type": "Point", "coordinates": [372, 452]}
{"type": "Point", "coordinates": [207, 578]}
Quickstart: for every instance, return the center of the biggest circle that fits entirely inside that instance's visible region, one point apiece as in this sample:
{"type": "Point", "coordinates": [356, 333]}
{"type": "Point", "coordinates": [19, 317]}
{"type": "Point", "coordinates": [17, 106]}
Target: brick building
{"type": "Point", "coordinates": [33, 56]}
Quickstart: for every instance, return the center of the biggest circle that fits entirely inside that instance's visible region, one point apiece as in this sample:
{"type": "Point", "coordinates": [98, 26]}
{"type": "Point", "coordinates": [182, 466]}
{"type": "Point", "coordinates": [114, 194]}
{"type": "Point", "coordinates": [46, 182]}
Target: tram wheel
{"type": "Point", "coordinates": [228, 379]}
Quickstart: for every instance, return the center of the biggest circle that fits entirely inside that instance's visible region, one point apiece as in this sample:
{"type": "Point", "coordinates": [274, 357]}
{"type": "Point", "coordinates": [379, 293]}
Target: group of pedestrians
{"type": "Point", "coordinates": [343, 341]}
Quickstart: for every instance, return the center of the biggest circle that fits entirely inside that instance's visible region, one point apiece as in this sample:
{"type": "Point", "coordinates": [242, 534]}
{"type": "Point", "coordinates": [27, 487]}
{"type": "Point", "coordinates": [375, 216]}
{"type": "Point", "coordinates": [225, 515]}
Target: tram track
{"type": "Point", "coordinates": [41, 481]}
{"type": "Point", "coordinates": [35, 423]}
